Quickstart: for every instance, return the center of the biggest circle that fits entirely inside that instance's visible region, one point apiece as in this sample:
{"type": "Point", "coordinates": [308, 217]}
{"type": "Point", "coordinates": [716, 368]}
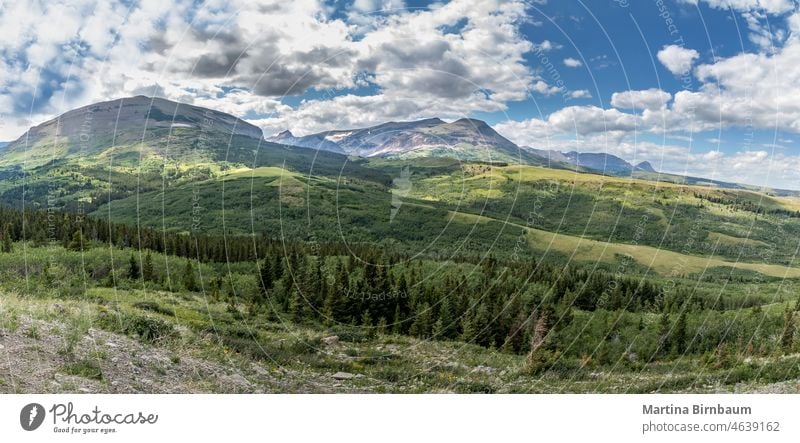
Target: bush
{"type": "Point", "coordinates": [154, 307]}
{"type": "Point", "coordinates": [83, 368]}
{"type": "Point", "coordinates": [149, 329]}
{"type": "Point", "coordinates": [352, 334]}
{"type": "Point", "coordinates": [474, 387]}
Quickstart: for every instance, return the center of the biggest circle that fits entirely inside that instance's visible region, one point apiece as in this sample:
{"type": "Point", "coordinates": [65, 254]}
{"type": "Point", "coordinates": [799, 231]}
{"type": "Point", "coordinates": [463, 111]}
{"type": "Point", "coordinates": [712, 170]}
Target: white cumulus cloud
{"type": "Point", "coordinates": [677, 59]}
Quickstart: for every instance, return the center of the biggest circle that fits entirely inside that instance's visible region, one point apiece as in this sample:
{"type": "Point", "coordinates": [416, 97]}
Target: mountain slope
{"type": "Point", "coordinates": [139, 120]}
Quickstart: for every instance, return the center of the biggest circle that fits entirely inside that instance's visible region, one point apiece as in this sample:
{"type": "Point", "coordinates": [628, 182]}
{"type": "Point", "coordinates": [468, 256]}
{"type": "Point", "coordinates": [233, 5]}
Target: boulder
{"type": "Point", "coordinates": [343, 376]}
{"type": "Point", "coordinates": [330, 341]}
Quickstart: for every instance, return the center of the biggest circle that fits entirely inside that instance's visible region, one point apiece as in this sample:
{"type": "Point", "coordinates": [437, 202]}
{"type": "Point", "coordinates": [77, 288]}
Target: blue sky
{"type": "Point", "coordinates": [701, 87]}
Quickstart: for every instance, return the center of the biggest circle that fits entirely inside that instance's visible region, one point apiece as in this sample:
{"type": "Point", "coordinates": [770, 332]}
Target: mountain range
{"type": "Point", "coordinates": [151, 133]}
{"type": "Point", "coordinates": [596, 161]}
{"type": "Point", "coordinates": [465, 139]}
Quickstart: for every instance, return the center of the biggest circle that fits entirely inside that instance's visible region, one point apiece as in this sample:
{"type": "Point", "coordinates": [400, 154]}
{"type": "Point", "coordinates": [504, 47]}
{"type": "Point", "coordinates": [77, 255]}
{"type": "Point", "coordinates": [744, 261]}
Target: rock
{"type": "Point", "coordinates": [343, 376]}
{"type": "Point", "coordinates": [481, 369]}
{"type": "Point", "coordinates": [330, 341]}
{"type": "Point", "coordinates": [237, 380]}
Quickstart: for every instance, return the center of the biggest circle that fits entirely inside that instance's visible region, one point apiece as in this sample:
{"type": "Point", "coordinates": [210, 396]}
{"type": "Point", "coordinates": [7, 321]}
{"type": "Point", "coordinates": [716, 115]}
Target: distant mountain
{"type": "Point", "coordinates": [549, 154]}
{"type": "Point", "coordinates": [607, 163]}
{"type": "Point", "coordinates": [3, 144]}
{"type": "Point", "coordinates": [312, 141]}
{"type": "Point", "coordinates": [464, 139]}
{"type": "Point", "coordinates": [593, 161]}
{"type": "Point", "coordinates": [645, 166]}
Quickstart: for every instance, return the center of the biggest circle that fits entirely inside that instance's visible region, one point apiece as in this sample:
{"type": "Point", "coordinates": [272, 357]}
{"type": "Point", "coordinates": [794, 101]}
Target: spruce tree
{"type": "Point", "coordinates": [297, 306]}
{"type": "Point", "coordinates": [421, 327]}
{"type": "Point", "coordinates": [787, 337]}
{"type": "Point", "coordinates": [467, 328]}
{"type": "Point", "coordinates": [366, 323]}
{"type": "Point", "coordinates": [540, 356]}
{"type": "Point", "coordinates": [8, 246]}
{"type": "Point", "coordinates": [133, 268]}
{"type": "Point", "coordinates": [189, 282]}
{"type": "Point", "coordinates": [265, 278]}
{"type": "Point", "coordinates": [397, 321]}
{"type": "Point", "coordinates": [679, 341]}
{"type": "Point", "coordinates": [147, 268]}
{"type": "Point", "coordinates": [663, 333]}
{"type": "Point", "coordinates": [443, 328]}
{"type": "Point", "coordinates": [77, 242]}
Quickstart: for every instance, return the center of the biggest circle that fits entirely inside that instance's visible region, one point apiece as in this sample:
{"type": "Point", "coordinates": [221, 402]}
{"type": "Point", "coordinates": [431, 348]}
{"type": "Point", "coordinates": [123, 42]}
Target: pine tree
{"type": "Point", "coordinates": [480, 324]}
{"type": "Point", "coordinates": [216, 287]}
{"type": "Point", "coordinates": [787, 337]}
{"type": "Point", "coordinates": [542, 329]}
{"type": "Point", "coordinates": [366, 323]}
{"type": "Point", "coordinates": [467, 328]}
{"type": "Point", "coordinates": [540, 356]}
{"type": "Point", "coordinates": [8, 246]}
{"type": "Point", "coordinates": [297, 306]}
{"type": "Point", "coordinates": [77, 242]}
{"type": "Point", "coordinates": [147, 268]}
{"type": "Point", "coordinates": [265, 278]}
{"type": "Point", "coordinates": [277, 267]}
{"type": "Point", "coordinates": [397, 321]}
{"type": "Point", "coordinates": [381, 328]}
{"type": "Point", "coordinates": [443, 328]}
{"type": "Point", "coordinates": [679, 341]}
{"type": "Point", "coordinates": [663, 333]}
{"type": "Point", "coordinates": [421, 327]}
{"type": "Point", "coordinates": [133, 268]}
{"type": "Point", "coordinates": [189, 282]}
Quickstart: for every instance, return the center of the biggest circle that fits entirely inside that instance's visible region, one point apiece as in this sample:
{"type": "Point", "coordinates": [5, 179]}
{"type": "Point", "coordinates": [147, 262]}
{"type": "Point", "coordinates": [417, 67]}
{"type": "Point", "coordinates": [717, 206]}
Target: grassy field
{"type": "Point", "coordinates": [660, 261]}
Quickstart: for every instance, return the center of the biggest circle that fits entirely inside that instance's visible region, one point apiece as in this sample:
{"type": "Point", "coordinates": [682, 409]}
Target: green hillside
{"type": "Point", "coordinates": [668, 228]}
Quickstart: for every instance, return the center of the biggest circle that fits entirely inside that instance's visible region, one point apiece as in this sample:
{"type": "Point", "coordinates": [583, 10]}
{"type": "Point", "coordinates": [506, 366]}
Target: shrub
{"type": "Point", "coordinates": [149, 329]}
{"type": "Point", "coordinates": [154, 307]}
{"type": "Point", "coordinates": [83, 368]}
